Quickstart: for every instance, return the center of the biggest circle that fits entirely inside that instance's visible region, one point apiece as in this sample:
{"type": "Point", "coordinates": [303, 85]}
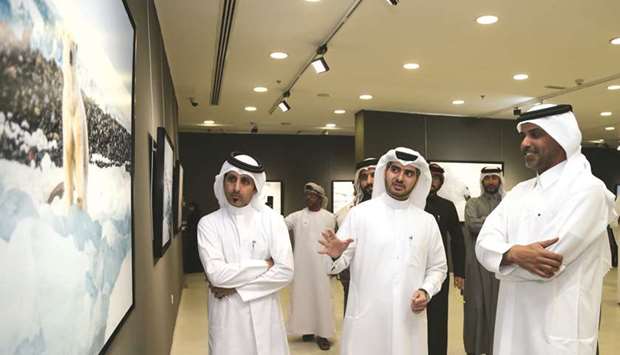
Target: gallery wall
{"type": "Point", "coordinates": [443, 138]}
{"type": "Point", "coordinates": [149, 328]}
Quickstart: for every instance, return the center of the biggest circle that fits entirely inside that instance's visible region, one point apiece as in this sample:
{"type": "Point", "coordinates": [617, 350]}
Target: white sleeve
{"type": "Point", "coordinates": [219, 272]}
{"type": "Point", "coordinates": [281, 273]}
{"type": "Point", "coordinates": [436, 265]}
{"type": "Point", "coordinates": [290, 221]}
{"type": "Point", "coordinates": [345, 232]}
{"type": "Point", "coordinates": [492, 241]}
{"type": "Point", "coordinates": [583, 219]}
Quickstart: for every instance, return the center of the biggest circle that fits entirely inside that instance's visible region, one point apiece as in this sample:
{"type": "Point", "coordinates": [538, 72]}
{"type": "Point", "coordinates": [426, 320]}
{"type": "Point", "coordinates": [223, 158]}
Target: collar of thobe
{"type": "Point", "coordinates": [394, 203]}
{"type": "Point", "coordinates": [239, 211]}
{"type": "Point", "coordinates": [546, 179]}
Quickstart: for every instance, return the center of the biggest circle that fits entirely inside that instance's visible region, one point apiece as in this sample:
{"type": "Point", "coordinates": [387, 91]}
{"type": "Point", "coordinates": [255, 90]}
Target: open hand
{"type": "Point", "coordinates": [333, 246]}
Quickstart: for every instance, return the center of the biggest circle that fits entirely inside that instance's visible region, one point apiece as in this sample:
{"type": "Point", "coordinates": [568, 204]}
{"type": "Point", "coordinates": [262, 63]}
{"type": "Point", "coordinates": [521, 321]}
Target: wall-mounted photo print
{"type": "Point", "coordinates": [66, 161]}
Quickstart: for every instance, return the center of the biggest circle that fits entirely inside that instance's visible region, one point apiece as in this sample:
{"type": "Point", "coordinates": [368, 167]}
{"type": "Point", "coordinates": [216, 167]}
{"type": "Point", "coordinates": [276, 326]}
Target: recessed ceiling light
{"type": "Point", "coordinates": [340, 112]}
{"type": "Point", "coordinates": [615, 41]}
{"type": "Point", "coordinates": [487, 20]}
{"type": "Point", "coordinates": [618, 148]}
{"type": "Point", "coordinates": [208, 122]}
{"type": "Point", "coordinates": [458, 102]}
{"type": "Point", "coordinates": [330, 125]}
{"type": "Point", "coordinates": [613, 87]}
{"type": "Point", "coordinates": [520, 76]}
{"type": "Point", "coordinates": [313, 0]}
{"type": "Point", "coordinates": [365, 97]}
{"type": "Point", "coordinates": [610, 128]}
{"type": "Point", "coordinates": [278, 55]}
{"type": "Point", "coordinates": [260, 89]}
{"type": "Point", "coordinates": [250, 108]}
{"type": "Point", "coordinates": [606, 114]}
{"type": "Point", "coordinates": [411, 66]}
{"type": "Point", "coordinates": [598, 141]}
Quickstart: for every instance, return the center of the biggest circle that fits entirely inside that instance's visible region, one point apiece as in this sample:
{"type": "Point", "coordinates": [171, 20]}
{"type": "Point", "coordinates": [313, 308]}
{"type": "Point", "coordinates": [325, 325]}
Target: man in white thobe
{"type": "Point", "coordinates": [246, 253]}
{"type": "Point", "coordinates": [547, 243]}
{"type": "Point", "coordinates": [362, 185]}
{"type": "Point", "coordinates": [312, 311]}
{"type": "Point", "coordinates": [397, 260]}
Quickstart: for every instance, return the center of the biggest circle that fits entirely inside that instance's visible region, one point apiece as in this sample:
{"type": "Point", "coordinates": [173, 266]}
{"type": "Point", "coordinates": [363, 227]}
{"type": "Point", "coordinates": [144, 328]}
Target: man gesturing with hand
{"type": "Point", "coordinates": [396, 257]}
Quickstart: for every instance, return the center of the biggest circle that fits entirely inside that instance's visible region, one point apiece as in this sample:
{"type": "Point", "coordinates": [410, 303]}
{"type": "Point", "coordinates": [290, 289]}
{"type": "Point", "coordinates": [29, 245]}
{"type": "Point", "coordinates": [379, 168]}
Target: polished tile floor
{"type": "Point", "coordinates": [190, 335]}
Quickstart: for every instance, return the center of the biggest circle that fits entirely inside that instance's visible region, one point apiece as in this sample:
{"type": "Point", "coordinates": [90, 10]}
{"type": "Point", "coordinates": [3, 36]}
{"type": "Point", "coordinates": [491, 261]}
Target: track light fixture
{"type": "Point", "coordinates": [319, 63]}
{"type": "Point", "coordinates": [283, 105]}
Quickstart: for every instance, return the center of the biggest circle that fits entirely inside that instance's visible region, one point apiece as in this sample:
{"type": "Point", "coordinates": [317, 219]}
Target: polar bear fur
{"type": "Point", "coordinates": [74, 130]}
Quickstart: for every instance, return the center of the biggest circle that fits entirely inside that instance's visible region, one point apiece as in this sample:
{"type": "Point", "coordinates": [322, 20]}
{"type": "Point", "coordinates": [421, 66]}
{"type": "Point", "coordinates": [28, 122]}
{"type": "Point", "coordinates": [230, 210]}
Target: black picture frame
{"type": "Point", "coordinates": [177, 200]}
{"type": "Point", "coordinates": [272, 194]}
{"type": "Point", "coordinates": [337, 200]}
{"type": "Point", "coordinates": [163, 177]}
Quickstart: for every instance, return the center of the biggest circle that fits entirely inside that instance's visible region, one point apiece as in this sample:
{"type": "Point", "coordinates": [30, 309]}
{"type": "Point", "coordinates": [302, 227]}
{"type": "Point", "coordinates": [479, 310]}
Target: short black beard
{"type": "Point", "coordinates": [366, 196]}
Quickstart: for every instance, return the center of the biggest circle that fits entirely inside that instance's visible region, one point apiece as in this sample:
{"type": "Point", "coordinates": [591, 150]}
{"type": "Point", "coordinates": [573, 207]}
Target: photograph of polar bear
{"type": "Point", "coordinates": [66, 160]}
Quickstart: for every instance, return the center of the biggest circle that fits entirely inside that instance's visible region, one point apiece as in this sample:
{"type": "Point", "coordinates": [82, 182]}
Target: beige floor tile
{"type": "Point", "coordinates": [191, 334]}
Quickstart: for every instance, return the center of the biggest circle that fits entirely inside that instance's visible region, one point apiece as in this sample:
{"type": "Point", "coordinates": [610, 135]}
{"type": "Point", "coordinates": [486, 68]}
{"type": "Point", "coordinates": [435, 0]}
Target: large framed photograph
{"type": "Point", "coordinates": [178, 196]}
{"type": "Point", "coordinates": [66, 174]}
{"type": "Point", "coordinates": [343, 193]}
{"type": "Point", "coordinates": [272, 195]}
{"type": "Point", "coordinates": [462, 181]}
{"type": "Point", "coordinates": [163, 177]}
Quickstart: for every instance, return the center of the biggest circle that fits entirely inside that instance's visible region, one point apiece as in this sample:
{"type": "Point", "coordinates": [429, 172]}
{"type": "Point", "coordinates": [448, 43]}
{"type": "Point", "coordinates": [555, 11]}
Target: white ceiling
{"type": "Point", "coordinates": [554, 41]}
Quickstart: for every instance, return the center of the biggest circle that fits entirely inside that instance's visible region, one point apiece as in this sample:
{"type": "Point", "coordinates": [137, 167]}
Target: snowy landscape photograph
{"type": "Point", "coordinates": [66, 155]}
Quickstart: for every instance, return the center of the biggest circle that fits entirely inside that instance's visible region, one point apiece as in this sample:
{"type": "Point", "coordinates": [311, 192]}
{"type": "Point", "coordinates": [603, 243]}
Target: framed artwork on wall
{"type": "Point", "coordinates": [272, 195]}
{"type": "Point", "coordinates": [163, 177]}
{"type": "Point", "coordinates": [462, 181]}
{"type": "Point", "coordinates": [66, 174]}
{"type": "Point", "coordinates": [343, 193]}
{"type": "Point", "coordinates": [178, 196]}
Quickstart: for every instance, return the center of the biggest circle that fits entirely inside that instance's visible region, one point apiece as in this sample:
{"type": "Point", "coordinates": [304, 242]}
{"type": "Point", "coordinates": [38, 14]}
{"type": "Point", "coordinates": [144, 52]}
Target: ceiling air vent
{"type": "Point", "coordinates": [228, 11]}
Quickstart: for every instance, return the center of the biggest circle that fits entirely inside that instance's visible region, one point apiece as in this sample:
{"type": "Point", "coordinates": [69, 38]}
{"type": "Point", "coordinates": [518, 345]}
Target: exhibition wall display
{"type": "Point", "coordinates": [343, 193]}
{"type": "Point", "coordinates": [462, 181]}
{"type": "Point", "coordinates": [272, 195]}
{"type": "Point", "coordinates": [163, 177]}
{"type": "Point", "coordinates": [178, 196]}
{"type": "Point", "coordinates": [66, 182]}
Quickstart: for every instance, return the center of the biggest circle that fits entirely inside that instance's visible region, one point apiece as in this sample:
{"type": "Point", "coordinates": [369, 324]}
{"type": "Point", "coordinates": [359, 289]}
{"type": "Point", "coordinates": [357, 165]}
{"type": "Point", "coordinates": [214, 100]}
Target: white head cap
{"type": "Point", "coordinates": [243, 164]}
{"type": "Point", "coordinates": [405, 156]}
{"type": "Point", "coordinates": [491, 171]}
{"type": "Point", "coordinates": [559, 122]}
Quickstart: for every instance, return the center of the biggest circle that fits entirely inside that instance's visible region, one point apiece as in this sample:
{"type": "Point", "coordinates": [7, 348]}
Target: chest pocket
{"type": "Point", "coordinates": [258, 245]}
{"type": "Point", "coordinates": [416, 247]}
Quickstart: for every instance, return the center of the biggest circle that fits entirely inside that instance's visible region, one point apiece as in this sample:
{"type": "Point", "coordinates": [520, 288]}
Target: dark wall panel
{"type": "Point", "coordinates": [293, 159]}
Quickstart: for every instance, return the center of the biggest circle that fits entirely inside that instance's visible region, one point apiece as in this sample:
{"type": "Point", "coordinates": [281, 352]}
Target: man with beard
{"type": "Point", "coordinates": [397, 260]}
{"type": "Point", "coordinates": [363, 182]}
{"type": "Point", "coordinates": [246, 254]}
{"type": "Point", "coordinates": [447, 218]}
{"type": "Point", "coordinates": [311, 311]}
{"type": "Point", "coordinates": [481, 290]}
{"type": "Point", "coordinates": [547, 243]}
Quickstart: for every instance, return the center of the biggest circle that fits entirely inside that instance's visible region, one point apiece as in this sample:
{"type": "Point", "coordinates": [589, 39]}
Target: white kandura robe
{"type": "Point", "coordinates": [557, 316]}
{"type": "Point", "coordinates": [397, 250]}
{"type": "Point", "coordinates": [311, 310]}
{"type": "Point", "coordinates": [233, 244]}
